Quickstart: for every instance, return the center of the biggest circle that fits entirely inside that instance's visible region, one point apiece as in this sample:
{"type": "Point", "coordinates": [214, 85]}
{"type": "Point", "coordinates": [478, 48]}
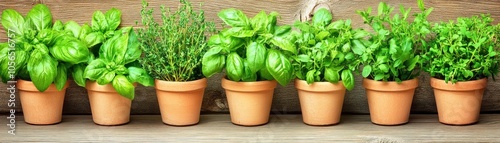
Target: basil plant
{"type": "Point", "coordinates": [391, 54]}
{"type": "Point", "coordinates": [38, 50]}
{"type": "Point", "coordinates": [325, 52]}
{"type": "Point", "coordinates": [251, 49]}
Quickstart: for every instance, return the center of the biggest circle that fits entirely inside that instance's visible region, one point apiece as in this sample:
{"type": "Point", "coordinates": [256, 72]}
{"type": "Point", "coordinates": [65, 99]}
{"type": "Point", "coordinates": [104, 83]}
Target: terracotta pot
{"type": "Point", "coordinates": [390, 102]}
{"type": "Point", "coordinates": [108, 107]}
{"type": "Point", "coordinates": [180, 102]}
{"type": "Point", "coordinates": [320, 102]}
{"type": "Point", "coordinates": [41, 108]}
{"type": "Point", "coordinates": [249, 102]}
{"type": "Point", "coordinates": [459, 103]}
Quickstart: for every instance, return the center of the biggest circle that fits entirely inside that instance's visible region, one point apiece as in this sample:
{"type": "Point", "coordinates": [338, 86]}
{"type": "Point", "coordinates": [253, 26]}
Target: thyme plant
{"type": "Point", "coordinates": [174, 47]}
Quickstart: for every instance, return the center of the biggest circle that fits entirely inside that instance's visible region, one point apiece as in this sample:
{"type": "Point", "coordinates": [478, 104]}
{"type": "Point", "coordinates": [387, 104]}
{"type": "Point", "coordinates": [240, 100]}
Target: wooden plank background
{"type": "Point", "coordinates": [285, 98]}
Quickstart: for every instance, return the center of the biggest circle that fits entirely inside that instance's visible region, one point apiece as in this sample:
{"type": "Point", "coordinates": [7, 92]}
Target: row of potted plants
{"type": "Point", "coordinates": [176, 54]}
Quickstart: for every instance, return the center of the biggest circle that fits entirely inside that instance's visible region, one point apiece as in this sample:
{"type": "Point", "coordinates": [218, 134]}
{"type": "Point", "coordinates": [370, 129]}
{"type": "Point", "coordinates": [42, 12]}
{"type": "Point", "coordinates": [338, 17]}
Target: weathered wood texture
{"type": "Point", "coordinates": [285, 98]}
{"type": "Point", "coordinates": [281, 128]}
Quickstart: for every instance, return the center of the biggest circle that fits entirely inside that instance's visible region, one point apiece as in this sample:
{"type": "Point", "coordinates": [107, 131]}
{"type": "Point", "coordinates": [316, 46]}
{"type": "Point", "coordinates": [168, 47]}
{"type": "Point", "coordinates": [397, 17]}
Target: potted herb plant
{"type": "Point", "coordinates": [324, 66]}
{"type": "Point", "coordinates": [462, 57]}
{"type": "Point", "coordinates": [113, 73]}
{"type": "Point", "coordinates": [390, 60]}
{"type": "Point", "coordinates": [38, 56]}
{"type": "Point", "coordinates": [256, 54]}
{"type": "Point", "coordinates": [173, 53]}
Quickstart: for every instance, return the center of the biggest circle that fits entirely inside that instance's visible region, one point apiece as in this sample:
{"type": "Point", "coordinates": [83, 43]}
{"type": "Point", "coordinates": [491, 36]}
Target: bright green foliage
{"type": "Point", "coordinates": [464, 50]}
{"type": "Point", "coordinates": [326, 50]}
{"type": "Point", "coordinates": [251, 49]}
{"type": "Point", "coordinates": [173, 49]}
{"type": "Point", "coordinates": [43, 52]}
{"type": "Point", "coordinates": [391, 51]}
{"type": "Point", "coordinates": [115, 64]}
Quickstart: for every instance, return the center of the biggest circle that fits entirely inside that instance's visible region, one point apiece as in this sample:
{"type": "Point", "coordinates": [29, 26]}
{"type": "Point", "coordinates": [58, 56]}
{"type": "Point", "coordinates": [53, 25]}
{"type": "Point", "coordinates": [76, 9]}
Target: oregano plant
{"type": "Point", "coordinates": [463, 50]}
{"type": "Point", "coordinates": [393, 46]}
{"type": "Point", "coordinates": [325, 50]}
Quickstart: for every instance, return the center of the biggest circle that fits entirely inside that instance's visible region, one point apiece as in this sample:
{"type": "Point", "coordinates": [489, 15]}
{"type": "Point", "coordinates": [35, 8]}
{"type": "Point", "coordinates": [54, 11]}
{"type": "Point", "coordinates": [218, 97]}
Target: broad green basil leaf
{"type": "Point", "coordinates": [240, 32]}
{"type": "Point", "coordinates": [99, 22]}
{"type": "Point", "coordinates": [412, 63]}
{"type": "Point", "coordinates": [264, 74]}
{"type": "Point", "coordinates": [106, 78]}
{"type": "Point", "coordinates": [322, 17]}
{"type": "Point", "coordinates": [78, 74]}
{"type": "Point", "coordinates": [71, 50]}
{"type": "Point", "coordinates": [234, 67]}
{"type": "Point", "coordinates": [84, 31]}
{"type": "Point", "coordinates": [310, 76]}
{"type": "Point", "coordinates": [114, 49]}
{"type": "Point", "coordinates": [358, 47]}
{"type": "Point", "coordinates": [5, 55]}
{"type": "Point", "coordinates": [22, 58]}
{"type": "Point", "coordinates": [133, 50]}
{"type": "Point", "coordinates": [348, 79]}
{"type": "Point", "coordinates": [256, 56]}
{"type": "Point", "coordinates": [284, 44]}
{"type": "Point", "coordinates": [234, 17]}
{"type": "Point", "coordinates": [271, 21]}
{"type": "Point", "coordinates": [12, 21]}
{"type": "Point", "coordinates": [213, 62]}
{"type": "Point", "coordinates": [215, 40]}
{"type": "Point", "coordinates": [248, 74]}
{"type": "Point", "coordinates": [332, 75]}
{"type": "Point", "coordinates": [93, 39]}
{"type": "Point", "coordinates": [121, 69]}
{"type": "Point", "coordinates": [279, 66]}
{"type": "Point", "coordinates": [124, 87]}
{"type": "Point", "coordinates": [231, 44]}
{"type": "Point", "coordinates": [384, 68]}
{"type": "Point", "coordinates": [73, 27]}
{"type": "Point", "coordinates": [95, 69]}
{"type": "Point", "coordinates": [282, 31]}
{"type": "Point", "coordinates": [259, 22]}
{"type": "Point", "coordinates": [61, 77]}
{"type": "Point", "coordinates": [113, 19]}
{"type": "Point", "coordinates": [366, 71]}
{"type": "Point", "coordinates": [42, 69]}
{"type": "Point", "coordinates": [47, 36]}
{"type": "Point", "coordinates": [40, 17]}
{"type": "Point", "coordinates": [337, 25]}
{"type": "Point", "coordinates": [303, 58]}
{"type": "Point", "coordinates": [302, 26]}
{"type": "Point", "coordinates": [58, 25]}
{"type": "Point", "coordinates": [141, 76]}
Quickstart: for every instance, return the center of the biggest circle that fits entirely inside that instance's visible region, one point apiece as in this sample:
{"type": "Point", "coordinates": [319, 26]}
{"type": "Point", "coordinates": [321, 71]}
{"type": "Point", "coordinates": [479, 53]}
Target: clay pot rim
{"type": "Point", "coordinates": [319, 86]}
{"type": "Point", "coordinates": [249, 86]}
{"type": "Point", "coordinates": [180, 85]}
{"type": "Point", "coordinates": [26, 85]}
{"type": "Point", "coordinates": [370, 84]}
{"type": "Point", "coordinates": [459, 86]}
{"type": "Point", "coordinates": [94, 86]}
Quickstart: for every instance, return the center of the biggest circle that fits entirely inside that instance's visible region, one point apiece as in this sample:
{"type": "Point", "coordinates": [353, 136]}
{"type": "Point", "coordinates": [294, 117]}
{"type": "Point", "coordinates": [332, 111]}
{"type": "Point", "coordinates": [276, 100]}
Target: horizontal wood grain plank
{"type": "Point", "coordinates": [281, 128]}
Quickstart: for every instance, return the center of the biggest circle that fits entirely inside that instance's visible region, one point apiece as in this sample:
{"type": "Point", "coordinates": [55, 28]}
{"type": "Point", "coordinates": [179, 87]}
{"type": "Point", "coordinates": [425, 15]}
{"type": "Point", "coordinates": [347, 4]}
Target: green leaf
{"type": "Point", "coordinates": [332, 75]}
{"type": "Point", "coordinates": [71, 50]}
{"type": "Point", "coordinates": [124, 87]}
{"type": "Point", "coordinates": [248, 74]}
{"type": "Point", "coordinates": [234, 67]}
{"type": "Point", "coordinates": [78, 74]}
{"type": "Point", "coordinates": [279, 66]}
{"type": "Point", "coordinates": [73, 27]}
{"type": "Point", "coordinates": [212, 62]}
{"type": "Point", "coordinates": [259, 22]}
{"type": "Point", "coordinates": [61, 77]}
{"type": "Point", "coordinates": [413, 62]}
{"type": "Point", "coordinates": [256, 56]}
{"type": "Point", "coordinates": [366, 71]}
{"type": "Point", "coordinates": [337, 25]}
{"type": "Point", "coordinates": [141, 76]}
{"type": "Point", "coordinates": [303, 58]}
{"type": "Point", "coordinates": [240, 32]}
{"type": "Point", "coordinates": [113, 19]}
{"type": "Point", "coordinates": [264, 74]}
{"type": "Point", "coordinates": [282, 31]}
{"type": "Point", "coordinates": [93, 39]}
{"type": "Point", "coordinates": [421, 5]}
{"type": "Point", "coordinates": [114, 49]}
{"type": "Point", "coordinates": [95, 69]}
{"type": "Point", "coordinates": [284, 44]}
{"type": "Point", "coordinates": [384, 68]}
{"type": "Point", "coordinates": [40, 17]}
{"type": "Point", "coordinates": [58, 25]}
{"type": "Point", "coordinates": [378, 77]}
{"type": "Point", "coordinates": [322, 17]}
{"type": "Point", "coordinates": [348, 79]}
{"type": "Point", "coordinates": [358, 47]}
{"type": "Point", "coordinates": [106, 78]}
{"type": "Point", "coordinates": [310, 76]}
{"type": "Point", "coordinates": [215, 40]}
{"type": "Point", "coordinates": [12, 21]}
{"type": "Point", "coordinates": [99, 22]}
{"type": "Point", "coordinates": [84, 31]}
{"type": "Point", "coordinates": [234, 17]}
{"type": "Point", "coordinates": [42, 69]}
{"type": "Point", "coordinates": [133, 51]}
